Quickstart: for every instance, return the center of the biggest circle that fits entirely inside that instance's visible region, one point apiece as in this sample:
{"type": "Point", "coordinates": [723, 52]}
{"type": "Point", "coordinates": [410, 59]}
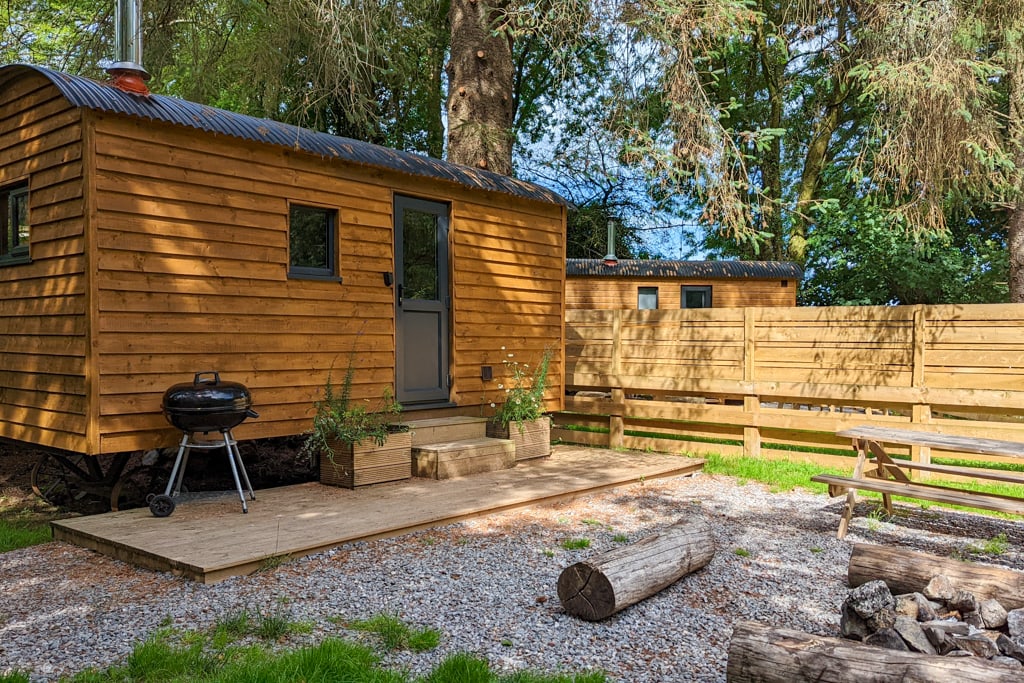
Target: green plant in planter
{"type": "Point", "coordinates": [524, 398]}
{"type": "Point", "coordinates": [340, 419]}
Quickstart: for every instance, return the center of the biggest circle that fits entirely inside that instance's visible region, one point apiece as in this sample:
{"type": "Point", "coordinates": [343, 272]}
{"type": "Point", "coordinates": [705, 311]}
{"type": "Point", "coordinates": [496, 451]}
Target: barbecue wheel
{"type": "Point", "coordinates": [161, 505]}
{"type": "Point", "coordinates": [132, 489]}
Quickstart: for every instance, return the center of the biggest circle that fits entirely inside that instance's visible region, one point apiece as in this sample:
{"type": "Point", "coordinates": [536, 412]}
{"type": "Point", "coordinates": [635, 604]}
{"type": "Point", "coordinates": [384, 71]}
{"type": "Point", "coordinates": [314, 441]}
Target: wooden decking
{"type": "Point", "coordinates": [209, 539]}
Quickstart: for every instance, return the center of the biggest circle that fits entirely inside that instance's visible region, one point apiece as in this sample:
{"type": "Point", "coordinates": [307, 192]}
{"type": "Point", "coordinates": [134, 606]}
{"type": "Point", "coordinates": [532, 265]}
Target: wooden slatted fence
{"type": "Point", "coordinates": [779, 382]}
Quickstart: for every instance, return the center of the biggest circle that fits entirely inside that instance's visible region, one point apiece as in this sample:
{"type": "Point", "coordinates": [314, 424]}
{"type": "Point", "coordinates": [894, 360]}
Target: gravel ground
{"type": "Point", "coordinates": [489, 585]}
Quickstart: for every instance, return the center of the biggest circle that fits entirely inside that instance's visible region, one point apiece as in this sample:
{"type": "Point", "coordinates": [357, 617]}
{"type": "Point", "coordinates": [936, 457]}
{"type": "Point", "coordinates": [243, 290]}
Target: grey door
{"type": "Point", "coordinates": [421, 318]}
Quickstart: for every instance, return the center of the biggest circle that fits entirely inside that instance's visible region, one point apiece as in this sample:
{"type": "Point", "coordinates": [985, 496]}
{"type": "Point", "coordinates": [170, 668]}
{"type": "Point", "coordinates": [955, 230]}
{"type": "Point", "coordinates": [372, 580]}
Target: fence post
{"type": "Point", "coordinates": [920, 413]}
{"type": "Point", "coordinates": [751, 404]}
{"type": "Point", "coordinates": [616, 428]}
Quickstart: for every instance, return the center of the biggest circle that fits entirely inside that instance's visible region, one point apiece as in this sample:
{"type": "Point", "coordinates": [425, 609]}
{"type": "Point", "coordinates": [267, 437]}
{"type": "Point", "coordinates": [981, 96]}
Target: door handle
{"type": "Point", "coordinates": [400, 290]}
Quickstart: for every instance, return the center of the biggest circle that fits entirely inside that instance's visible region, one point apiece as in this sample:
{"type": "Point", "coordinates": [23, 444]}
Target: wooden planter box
{"type": "Point", "coordinates": [368, 463]}
{"type": "Point", "coordinates": [532, 441]}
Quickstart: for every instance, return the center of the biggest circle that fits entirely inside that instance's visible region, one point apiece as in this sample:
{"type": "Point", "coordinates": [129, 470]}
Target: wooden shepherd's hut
{"type": "Point", "coordinates": [146, 238]}
{"type": "Point", "coordinates": [629, 284]}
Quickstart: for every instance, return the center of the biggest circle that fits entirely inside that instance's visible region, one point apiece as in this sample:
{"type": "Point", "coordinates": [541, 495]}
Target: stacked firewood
{"type": "Point", "coordinates": [941, 619]}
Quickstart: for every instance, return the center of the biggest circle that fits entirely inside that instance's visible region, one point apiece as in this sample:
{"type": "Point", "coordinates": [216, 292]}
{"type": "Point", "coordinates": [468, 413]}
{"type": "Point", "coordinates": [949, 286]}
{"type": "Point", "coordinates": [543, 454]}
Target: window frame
{"type": "Point", "coordinates": [330, 273]}
{"type": "Point", "coordinates": [20, 253]}
{"type": "Point", "coordinates": [641, 291]}
{"type": "Point", "coordinates": [706, 289]}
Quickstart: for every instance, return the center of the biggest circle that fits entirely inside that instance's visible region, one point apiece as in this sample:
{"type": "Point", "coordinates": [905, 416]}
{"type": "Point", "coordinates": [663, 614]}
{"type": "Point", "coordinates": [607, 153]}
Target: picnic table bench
{"type": "Point", "coordinates": [891, 477]}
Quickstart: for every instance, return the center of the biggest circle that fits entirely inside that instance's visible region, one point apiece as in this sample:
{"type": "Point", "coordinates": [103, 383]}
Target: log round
{"type": "Point", "coordinates": [779, 655]}
{"type": "Point", "coordinates": [908, 571]}
{"type": "Point", "coordinates": [612, 581]}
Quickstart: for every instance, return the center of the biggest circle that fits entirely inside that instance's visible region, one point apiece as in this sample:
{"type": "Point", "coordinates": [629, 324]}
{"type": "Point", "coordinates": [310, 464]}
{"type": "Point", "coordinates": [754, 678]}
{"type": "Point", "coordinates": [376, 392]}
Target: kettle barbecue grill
{"type": "Point", "coordinates": [205, 405]}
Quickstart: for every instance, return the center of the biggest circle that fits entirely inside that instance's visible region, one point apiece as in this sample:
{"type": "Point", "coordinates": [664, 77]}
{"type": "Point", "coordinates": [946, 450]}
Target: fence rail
{"type": "Point", "coordinates": [780, 381]}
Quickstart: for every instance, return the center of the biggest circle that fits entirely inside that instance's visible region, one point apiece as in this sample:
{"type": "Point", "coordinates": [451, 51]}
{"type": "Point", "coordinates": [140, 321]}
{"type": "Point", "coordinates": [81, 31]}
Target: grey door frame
{"type": "Point", "coordinates": [433, 313]}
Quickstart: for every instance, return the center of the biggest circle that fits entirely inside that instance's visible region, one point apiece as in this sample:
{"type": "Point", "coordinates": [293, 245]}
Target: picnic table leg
{"type": "Point", "coordinates": [851, 494]}
{"type": "Point", "coordinates": [887, 467]}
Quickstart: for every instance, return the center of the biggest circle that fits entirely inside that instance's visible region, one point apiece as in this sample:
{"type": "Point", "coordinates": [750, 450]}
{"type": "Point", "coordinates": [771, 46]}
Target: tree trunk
{"type": "Point", "coordinates": [778, 655]}
{"type": "Point", "coordinates": [907, 571]}
{"type": "Point", "coordinates": [771, 158]}
{"type": "Point", "coordinates": [479, 88]}
{"type": "Point", "coordinates": [615, 580]}
{"type": "Point", "coordinates": [1015, 246]}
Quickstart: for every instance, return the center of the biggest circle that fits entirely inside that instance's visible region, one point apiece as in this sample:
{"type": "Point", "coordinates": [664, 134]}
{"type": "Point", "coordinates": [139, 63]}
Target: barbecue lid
{"type": "Point", "coordinates": [207, 393]}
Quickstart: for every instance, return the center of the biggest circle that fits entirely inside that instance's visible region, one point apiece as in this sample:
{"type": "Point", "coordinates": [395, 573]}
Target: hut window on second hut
{"type": "Point", "coordinates": [696, 297]}
{"type": "Point", "coordinates": [311, 240]}
{"type": "Point", "coordinates": [14, 236]}
{"type": "Point", "coordinates": [647, 298]}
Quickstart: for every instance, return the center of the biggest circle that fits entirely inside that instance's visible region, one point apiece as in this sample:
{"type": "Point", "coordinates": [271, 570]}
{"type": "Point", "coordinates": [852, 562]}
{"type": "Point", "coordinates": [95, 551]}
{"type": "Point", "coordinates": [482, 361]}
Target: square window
{"type": "Point", "coordinates": [311, 240]}
{"type": "Point", "coordinates": [14, 236]}
{"type": "Point", "coordinates": [695, 297]}
{"type": "Point", "coordinates": [647, 298]}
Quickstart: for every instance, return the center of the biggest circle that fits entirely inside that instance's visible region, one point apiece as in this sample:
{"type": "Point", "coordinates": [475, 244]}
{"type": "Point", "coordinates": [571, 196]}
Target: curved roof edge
{"type": "Point", "coordinates": [690, 269]}
{"type": "Point", "coordinates": [87, 93]}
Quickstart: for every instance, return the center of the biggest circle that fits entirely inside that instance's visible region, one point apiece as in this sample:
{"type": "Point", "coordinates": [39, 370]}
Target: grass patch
{"type": "Point", "coordinates": [1001, 466]}
{"type": "Point", "coordinates": [779, 475]}
{"type": "Point", "coordinates": [168, 657]}
{"type": "Point", "coordinates": [395, 634]}
{"type": "Point", "coordinates": [993, 546]}
{"type": "Point", "coordinates": [785, 475]}
{"type": "Point", "coordinates": [14, 535]}
{"type": "Point", "coordinates": [576, 543]}
{"type": "Point", "coordinates": [24, 521]}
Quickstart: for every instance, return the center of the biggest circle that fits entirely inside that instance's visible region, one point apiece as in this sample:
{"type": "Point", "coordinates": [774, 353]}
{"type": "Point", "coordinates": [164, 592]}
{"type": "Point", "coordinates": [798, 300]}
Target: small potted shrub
{"type": "Point", "coordinates": [358, 443]}
{"type": "Point", "coordinates": [520, 418]}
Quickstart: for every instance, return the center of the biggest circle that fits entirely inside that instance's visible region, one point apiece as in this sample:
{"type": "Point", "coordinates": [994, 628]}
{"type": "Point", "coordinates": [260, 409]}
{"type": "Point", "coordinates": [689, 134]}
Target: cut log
{"type": "Point", "coordinates": [780, 655]}
{"type": "Point", "coordinates": [908, 571]}
{"type": "Point", "coordinates": [612, 581]}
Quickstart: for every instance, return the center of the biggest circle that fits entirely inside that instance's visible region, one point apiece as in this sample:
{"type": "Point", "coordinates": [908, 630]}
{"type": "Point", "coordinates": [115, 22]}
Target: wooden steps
{"type": "Point", "coordinates": [444, 429]}
{"type": "Point", "coordinates": [448, 447]}
{"type": "Point", "coordinates": [459, 458]}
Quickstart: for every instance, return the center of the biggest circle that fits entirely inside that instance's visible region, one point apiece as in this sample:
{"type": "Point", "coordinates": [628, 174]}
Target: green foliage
{"type": "Point", "coordinates": [18, 534]}
{"type": "Point", "coordinates": [397, 635]}
{"type": "Point", "coordinates": [524, 397]}
{"type": "Point", "coordinates": [781, 475]}
{"type": "Point", "coordinates": [576, 543]}
{"type": "Point", "coordinates": [462, 668]}
{"type": "Point", "coordinates": [159, 660]}
{"type": "Point", "coordinates": [996, 545]}
{"type": "Point", "coordinates": [857, 256]}
{"type": "Point", "coordinates": [231, 629]}
{"type": "Point", "coordinates": [741, 552]}
{"type": "Point", "coordinates": [14, 677]}
{"type": "Point", "coordinates": [24, 521]}
{"type": "Point", "coordinates": [340, 418]}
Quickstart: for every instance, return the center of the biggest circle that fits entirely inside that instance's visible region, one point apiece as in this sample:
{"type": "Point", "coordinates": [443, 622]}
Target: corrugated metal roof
{"type": "Point", "coordinates": [683, 269]}
{"type": "Point", "coordinates": [90, 94]}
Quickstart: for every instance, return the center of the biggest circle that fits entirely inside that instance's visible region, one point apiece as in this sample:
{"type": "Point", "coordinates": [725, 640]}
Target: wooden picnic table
{"type": "Point", "coordinates": [891, 476]}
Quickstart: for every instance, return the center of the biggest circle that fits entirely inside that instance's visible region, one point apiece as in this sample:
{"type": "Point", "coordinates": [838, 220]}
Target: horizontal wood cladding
{"type": "Point", "coordinates": [191, 234]}
{"type": "Point", "coordinates": [43, 325]}
{"type": "Point", "coordinates": [622, 293]}
{"type": "Point", "coordinates": [508, 296]}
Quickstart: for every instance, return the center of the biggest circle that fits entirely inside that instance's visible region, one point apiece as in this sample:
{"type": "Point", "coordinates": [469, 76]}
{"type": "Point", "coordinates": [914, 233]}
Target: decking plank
{"type": "Point", "coordinates": [210, 539]}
